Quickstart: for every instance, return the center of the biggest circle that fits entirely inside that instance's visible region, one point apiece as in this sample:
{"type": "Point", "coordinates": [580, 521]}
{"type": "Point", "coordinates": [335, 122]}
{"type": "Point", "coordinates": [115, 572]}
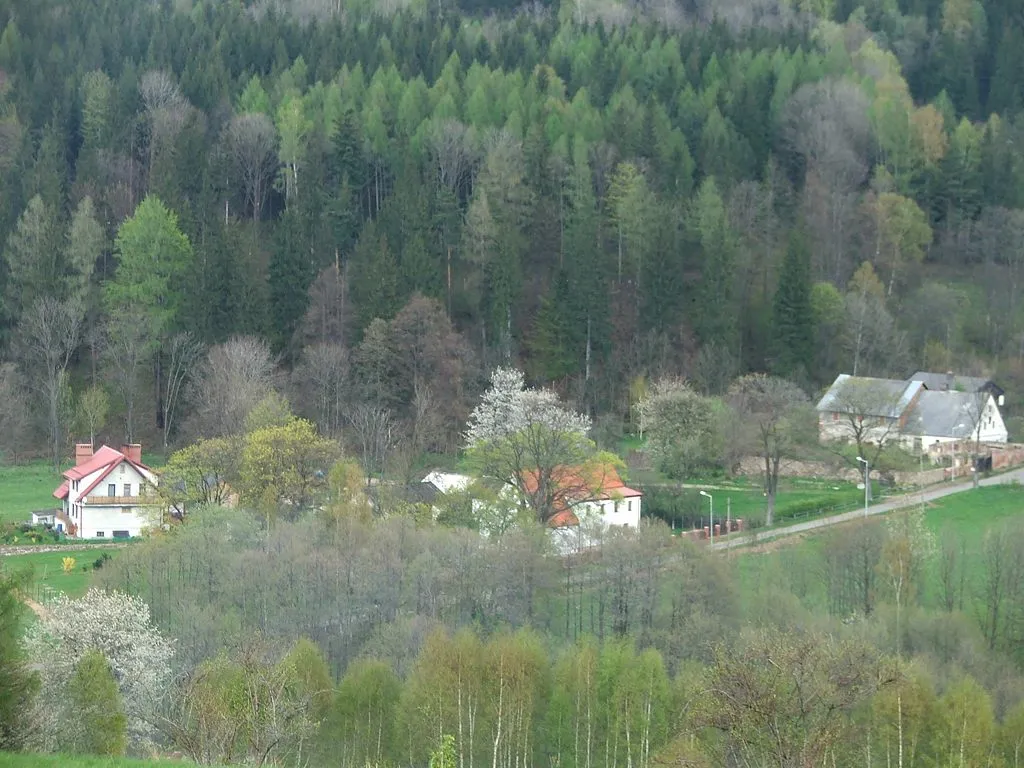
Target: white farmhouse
{"type": "Point", "coordinates": [108, 494]}
{"type": "Point", "coordinates": [606, 504]}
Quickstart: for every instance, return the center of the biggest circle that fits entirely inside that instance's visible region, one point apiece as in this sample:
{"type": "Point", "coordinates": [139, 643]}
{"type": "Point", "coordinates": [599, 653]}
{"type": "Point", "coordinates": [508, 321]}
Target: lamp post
{"type": "Point", "coordinates": [712, 528]}
{"type": "Point", "coordinates": [867, 480]}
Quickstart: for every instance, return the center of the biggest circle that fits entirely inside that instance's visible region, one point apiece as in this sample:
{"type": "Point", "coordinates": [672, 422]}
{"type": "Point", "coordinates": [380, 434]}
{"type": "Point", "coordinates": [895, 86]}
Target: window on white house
{"type": "Point", "coordinates": [121, 534]}
{"type": "Point", "coordinates": [127, 489]}
{"type": "Point", "coordinates": [111, 490]}
{"type": "Point", "coordinates": [99, 534]}
{"type": "Point", "coordinates": [629, 506]}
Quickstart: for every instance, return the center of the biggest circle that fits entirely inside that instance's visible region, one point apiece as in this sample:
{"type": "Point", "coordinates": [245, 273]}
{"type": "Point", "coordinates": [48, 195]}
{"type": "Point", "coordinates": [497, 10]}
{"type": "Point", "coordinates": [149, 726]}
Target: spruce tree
{"type": "Point", "coordinates": [792, 318]}
{"type": "Point", "coordinates": [95, 721]}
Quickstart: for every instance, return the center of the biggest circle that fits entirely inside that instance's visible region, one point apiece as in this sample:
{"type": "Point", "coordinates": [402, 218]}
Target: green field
{"type": "Point", "coordinates": [26, 488]}
{"type": "Point", "coordinates": [8, 760]}
{"type": "Point", "coordinates": [970, 514]}
{"type": "Point", "coordinates": [48, 571]}
{"type": "Point", "coordinates": [964, 517]}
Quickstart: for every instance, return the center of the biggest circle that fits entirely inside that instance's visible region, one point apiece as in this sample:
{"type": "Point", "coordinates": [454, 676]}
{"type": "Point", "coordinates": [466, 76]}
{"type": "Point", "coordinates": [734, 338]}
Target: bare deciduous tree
{"type": "Point", "coordinates": [235, 376]}
{"type": "Point", "coordinates": [127, 351]}
{"type": "Point", "coordinates": [778, 420]}
{"type": "Point", "coordinates": [48, 335]}
{"type": "Point", "coordinates": [321, 379]}
{"type": "Point", "coordinates": [454, 153]}
{"type": "Point", "coordinates": [825, 129]}
{"type": "Point", "coordinates": [250, 142]}
{"type": "Point", "coordinates": [375, 433]}
{"type": "Point", "coordinates": [183, 352]}
{"type": "Point", "coordinates": [166, 111]}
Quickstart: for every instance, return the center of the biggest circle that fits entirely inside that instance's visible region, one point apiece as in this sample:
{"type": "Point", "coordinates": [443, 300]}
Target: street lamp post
{"type": "Point", "coordinates": [867, 480]}
{"type": "Point", "coordinates": [712, 528]}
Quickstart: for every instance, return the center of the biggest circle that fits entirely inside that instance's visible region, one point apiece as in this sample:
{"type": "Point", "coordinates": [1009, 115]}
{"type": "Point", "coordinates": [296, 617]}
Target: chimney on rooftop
{"type": "Point", "coordinates": [132, 452]}
{"type": "Point", "coordinates": [83, 452]}
{"type": "Point", "coordinates": [949, 380]}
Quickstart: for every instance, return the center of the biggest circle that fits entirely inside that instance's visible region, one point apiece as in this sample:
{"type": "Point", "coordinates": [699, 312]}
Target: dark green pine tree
{"type": "Point", "coordinates": [792, 318]}
{"type": "Point", "coordinates": [290, 273]}
{"type": "Point", "coordinates": [374, 277]}
{"type": "Point", "coordinates": [555, 341]}
{"type": "Point", "coordinates": [1006, 92]}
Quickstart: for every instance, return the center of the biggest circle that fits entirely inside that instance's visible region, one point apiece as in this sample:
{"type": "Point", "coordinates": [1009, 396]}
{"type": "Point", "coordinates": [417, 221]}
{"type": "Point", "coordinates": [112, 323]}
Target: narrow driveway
{"type": "Point", "coordinates": [904, 500]}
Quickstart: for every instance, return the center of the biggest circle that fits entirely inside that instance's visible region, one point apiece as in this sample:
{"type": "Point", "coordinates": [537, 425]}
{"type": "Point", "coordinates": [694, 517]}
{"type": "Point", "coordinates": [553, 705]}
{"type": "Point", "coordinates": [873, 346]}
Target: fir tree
{"type": "Point", "coordinates": [792, 318]}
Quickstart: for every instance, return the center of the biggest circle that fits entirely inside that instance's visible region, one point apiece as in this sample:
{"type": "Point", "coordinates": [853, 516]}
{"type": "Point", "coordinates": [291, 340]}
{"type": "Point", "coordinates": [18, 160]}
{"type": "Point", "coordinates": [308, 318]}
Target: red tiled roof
{"type": "Point", "coordinates": [62, 491]}
{"type": "Point", "coordinates": [106, 458]}
{"type": "Point", "coordinates": [587, 484]}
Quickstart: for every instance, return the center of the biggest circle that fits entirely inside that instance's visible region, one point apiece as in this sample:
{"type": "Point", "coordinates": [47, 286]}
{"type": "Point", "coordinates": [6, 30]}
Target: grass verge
{"type": "Point", "coordinates": [48, 569]}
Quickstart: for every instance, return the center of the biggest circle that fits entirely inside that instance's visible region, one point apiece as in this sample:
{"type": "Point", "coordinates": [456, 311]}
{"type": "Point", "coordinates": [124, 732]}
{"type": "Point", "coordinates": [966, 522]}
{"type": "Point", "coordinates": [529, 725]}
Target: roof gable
{"type": "Point", "coordinates": [946, 414]}
{"type": "Point", "coordinates": [104, 461]}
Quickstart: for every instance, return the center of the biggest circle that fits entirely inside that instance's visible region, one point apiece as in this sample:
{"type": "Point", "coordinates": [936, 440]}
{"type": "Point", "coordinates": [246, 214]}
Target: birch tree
{"type": "Point", "coordinates": [48, 336]}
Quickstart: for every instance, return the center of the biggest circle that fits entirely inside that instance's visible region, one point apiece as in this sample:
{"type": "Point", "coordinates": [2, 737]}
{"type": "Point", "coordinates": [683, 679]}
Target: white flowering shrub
{"type": "Point", "coordinates": [507, 407]}
{"type": "Point", "coordinates": [119, 626]}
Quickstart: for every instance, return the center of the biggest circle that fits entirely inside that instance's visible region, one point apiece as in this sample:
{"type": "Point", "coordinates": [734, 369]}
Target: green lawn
{"type": "Point", "coordinates": [971, 513]}
{"type": "Point", "coordinates": [8, 760]}
{"type": "Point", "coordinates": [48, 571]}
{"type": "Point", "coordinates": [26, 488]}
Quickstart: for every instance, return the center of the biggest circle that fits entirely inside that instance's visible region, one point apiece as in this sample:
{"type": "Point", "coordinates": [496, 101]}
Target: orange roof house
{"type": "Point", "coordinates": [597, 490]}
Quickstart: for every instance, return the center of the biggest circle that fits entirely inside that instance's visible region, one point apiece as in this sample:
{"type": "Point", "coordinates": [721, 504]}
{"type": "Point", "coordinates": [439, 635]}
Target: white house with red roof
{"type": "Point", "coordinates": [597, 505]}
{"type": "Point", "coordinates": [108, 494]}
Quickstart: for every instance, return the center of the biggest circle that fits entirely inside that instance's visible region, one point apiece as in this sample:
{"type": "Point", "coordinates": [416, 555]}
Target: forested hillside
{"type": "Point", "coordinates": [597, 193]}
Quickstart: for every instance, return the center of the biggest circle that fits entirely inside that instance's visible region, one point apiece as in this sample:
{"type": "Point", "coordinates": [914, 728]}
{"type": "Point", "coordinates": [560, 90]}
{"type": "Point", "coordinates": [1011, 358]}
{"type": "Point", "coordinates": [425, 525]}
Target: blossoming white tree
{"type": "Point", "coordinates": [529, 440]}
{"type": "Point", "coordinates": [119, 626]}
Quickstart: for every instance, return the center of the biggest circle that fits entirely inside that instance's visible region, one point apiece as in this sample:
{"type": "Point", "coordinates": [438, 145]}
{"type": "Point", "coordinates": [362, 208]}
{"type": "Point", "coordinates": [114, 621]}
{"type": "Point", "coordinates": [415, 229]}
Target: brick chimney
{"type": "Point", "coordinates": [950, 379]}
{"type": "Point", "coordinates": [83, 452]}
{"type": "Point", "coordinates": [133, 452]}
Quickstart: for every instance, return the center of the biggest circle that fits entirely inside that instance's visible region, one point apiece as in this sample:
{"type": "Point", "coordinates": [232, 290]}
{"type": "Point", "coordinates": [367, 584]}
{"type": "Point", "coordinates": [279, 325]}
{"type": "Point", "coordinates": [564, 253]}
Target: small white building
{"type": "Point", "coordinates": [108, 494]}
{"type": "Point", "coordinates": [609, 503]}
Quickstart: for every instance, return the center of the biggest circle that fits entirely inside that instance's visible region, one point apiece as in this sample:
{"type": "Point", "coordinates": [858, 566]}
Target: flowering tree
{"type": "Point", "coordinates": [527, 439]}
{"type": "Point", "coordinates": [507, 407]}
{"type": "Point", "coordinates": [117, 625]}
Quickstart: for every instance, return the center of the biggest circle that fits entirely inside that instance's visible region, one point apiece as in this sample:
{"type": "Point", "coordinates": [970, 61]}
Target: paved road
{"type": "Point", "coordinates": [905, 500]}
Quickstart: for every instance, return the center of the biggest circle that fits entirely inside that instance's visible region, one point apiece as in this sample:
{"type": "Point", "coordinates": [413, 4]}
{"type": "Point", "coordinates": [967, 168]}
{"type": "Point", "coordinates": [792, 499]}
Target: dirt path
{"type": "Point", "coordinates": [29, 549]}
{"type": "Point", "coordinates": [906, 500]}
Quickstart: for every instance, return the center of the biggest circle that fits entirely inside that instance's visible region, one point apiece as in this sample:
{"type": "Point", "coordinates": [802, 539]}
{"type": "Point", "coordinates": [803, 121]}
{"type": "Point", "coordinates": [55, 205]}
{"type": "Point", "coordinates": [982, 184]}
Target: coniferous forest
{"type": "Point", "coordinates": [287, 242]}
{"type": "Point", "coordinates": [600, 194]}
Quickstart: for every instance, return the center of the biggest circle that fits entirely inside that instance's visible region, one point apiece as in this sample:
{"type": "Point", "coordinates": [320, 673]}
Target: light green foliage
{"type": "Point", "coordinates": [154, 258]}
{"type": "Point", "coordinates": [362, 722]}
{"type": "Point", "coordinates": [683, 428]}
{"type": "Point", "coordinates": [201, 474]}
{"type": "Point", "coordinates": [284, 468]}
{"type": "Point", "coordinates": [32, 255]}
{"type": "Point", "coordinates": [94, 718]}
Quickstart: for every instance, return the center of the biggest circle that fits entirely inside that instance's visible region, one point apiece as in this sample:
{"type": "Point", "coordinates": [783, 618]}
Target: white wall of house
{"type": "Point", "coordinates": [108, 522]}
{"type": "Point", "coordinates": [836, 428]}
{"type": "Point", "coordinates": [620, 512]}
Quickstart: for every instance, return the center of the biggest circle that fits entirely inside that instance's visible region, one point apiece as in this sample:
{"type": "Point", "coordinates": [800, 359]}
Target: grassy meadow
{"type": "Point", "coordinates": [48, 569]}
{"type": "Point", "coordinates": [25, 488]}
